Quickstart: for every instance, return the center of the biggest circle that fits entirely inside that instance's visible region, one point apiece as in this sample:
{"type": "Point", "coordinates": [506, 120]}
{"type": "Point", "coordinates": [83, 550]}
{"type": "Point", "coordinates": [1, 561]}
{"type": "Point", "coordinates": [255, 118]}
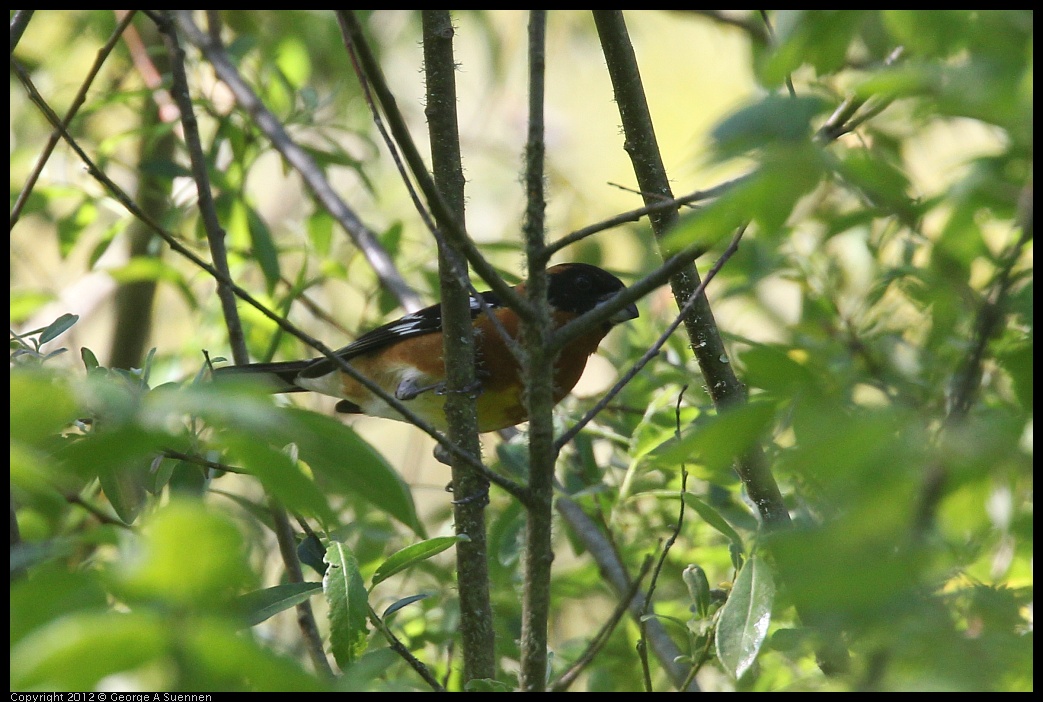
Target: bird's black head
{"type": "Point", "coordinates": [580, 287]}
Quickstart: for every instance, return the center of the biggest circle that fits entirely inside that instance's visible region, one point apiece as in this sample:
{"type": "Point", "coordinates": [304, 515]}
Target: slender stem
{"type": "Point", "coordinates": [21, 18]}
{"type": "Point", "coordinates": [305, 618]}
{"type": "Point", "coordinates": [453, 230]}
{"type": "Point", "coordinates": [476, 619]}
{"type": "Point", "coordinates": [215, 233]}
{"type": "Point", "coordinates": [539, 386]}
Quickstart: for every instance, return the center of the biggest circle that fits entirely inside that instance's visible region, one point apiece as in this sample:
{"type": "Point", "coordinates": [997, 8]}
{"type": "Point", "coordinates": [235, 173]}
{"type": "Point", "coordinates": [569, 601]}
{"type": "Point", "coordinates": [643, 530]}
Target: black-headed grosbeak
{"type": "Point", "coordinates": [405, 357]}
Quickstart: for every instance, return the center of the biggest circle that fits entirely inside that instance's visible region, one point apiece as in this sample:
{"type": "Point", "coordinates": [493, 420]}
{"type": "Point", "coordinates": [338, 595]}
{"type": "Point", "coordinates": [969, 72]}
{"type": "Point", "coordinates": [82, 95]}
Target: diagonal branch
{"type": "Point", "coordinates": [640, 143]}
{"type": "Point", "coordinates": [451, 228]}
{"type": "Point", "coordinates": [301, 161]}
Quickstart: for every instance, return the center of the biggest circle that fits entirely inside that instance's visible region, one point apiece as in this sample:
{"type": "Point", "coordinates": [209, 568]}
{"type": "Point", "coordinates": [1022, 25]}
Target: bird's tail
{"type": "Point", "coordinates": [281, 376]}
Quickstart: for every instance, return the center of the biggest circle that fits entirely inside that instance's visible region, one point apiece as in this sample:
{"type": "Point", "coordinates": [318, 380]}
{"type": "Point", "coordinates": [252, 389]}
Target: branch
{"type": "Point", "coordinates": [658, 205]}
{"type": "Point", "coordinates": [456, 265]}
{"type": "Point", "coordinates": [453, 230]}
{"type": "Point", "coordinates": [215, 234]}
{"type": "Point", "coordinates": [305, 618]}
{"type": "Point", "coordinates": [18, 23]}
{"type": "Point", "coordinates": [614, 573]}
{"type": "Point", "coordinates": [539, 391]}
{"type": "Point", "coordinates": [640, 143]}
{"type": "Point", "coordinates": [476, 615]}
{"type": "Point", "coordinates": [404, 653]}
{"type": "Point", "coordinates": [653, 350]}
{"type": "Point", "coordinates": [301, 161]}
{"type": "Point", "coordinates": [601, 638]}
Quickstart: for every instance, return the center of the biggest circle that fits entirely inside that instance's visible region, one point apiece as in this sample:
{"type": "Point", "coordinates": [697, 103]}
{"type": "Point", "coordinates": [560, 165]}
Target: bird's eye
{"type": "Point", "coordinates": [583, 283]}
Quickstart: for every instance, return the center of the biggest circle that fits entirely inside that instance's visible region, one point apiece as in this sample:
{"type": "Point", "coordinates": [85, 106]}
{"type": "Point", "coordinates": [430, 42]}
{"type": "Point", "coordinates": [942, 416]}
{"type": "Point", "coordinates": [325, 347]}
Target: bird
{"type": "Point", "coordinates": [405, 357]}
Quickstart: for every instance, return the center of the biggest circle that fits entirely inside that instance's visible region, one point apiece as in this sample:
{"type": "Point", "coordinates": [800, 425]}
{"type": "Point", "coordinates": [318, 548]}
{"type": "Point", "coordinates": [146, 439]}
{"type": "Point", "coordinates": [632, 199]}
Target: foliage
{"type": "Point", "coordinates": [878, 309]}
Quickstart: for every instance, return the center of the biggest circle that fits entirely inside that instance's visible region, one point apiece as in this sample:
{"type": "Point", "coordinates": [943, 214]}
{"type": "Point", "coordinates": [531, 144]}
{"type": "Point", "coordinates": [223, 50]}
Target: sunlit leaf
{"type": "Point", "coordinates": [259, 605]}
{"type": "Point", "coordinates": [348, 604]}
{"type": "Point", "coordinates": [412, 554]}
{"type": "Point", "coordinates": [744, 619]}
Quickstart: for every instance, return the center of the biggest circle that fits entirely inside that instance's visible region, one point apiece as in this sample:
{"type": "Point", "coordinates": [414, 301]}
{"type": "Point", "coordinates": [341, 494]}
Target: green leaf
{"type": "Point", "coordinates": [415, 553]}
{"type": "Point", "coordinates": [263, 247]}
{"type": "Point", "coordinates": [241, 664]}
{"type": "Point", "coordinates": [712, 517]}
{"type": "Point", "coordinates": [293, 61]}
{"type": "Point", "coordinates": [348, 604]}
{"type": "Point", "coordinates": [715, 443]}
{"type": "Point", "coordinates": [404, 602]}
{"type": "Point", "coordinates": [884, 185]}
{"type": "Point", "coordinates": [52, 593]}
{"type": "Point", "coordinates": [341, 460]}
{"type": "Point", "coordinates": [774, 118]}
{"type": "Point", "coordinates": [819, 38]}
{"type": "Point", "coordinates": [929, 32]}
{"type": "Point", "coordinates": [187, 556]}
{"type": "Point", "coordinates": [146, 268]}
{"type": "Point", "coordinates": [698, 589]}
{"type": "Point", "coordinates": [259, 605]}
{"type": "Point", "coordinates": [77, 651]}
{"type": "Point", "coordinates": [90, 361]}
{"type": "Point", "coordinates": [41, 406]}
{"type": "Point", "coordinates": [125, 487]}
{"type": "Point", "coordinates": [281, 476]}
{"type": "Point", "coordinates": [776, 369]}
{"type": "Point", "coordinates": [743, 623]}
{"type": "Point", "coordinates": [23, 304]}
{"type": "Point", "coordinates": [348, 464]}
{"type": "Point", "coordinates": [58, 327]}
{"type": "Point", "coordinates": [320, 231]}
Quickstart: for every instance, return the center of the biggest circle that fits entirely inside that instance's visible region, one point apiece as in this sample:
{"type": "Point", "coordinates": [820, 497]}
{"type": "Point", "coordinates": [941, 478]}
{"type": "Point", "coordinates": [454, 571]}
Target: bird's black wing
{"type": "Point", "coordinates": [419, 323]}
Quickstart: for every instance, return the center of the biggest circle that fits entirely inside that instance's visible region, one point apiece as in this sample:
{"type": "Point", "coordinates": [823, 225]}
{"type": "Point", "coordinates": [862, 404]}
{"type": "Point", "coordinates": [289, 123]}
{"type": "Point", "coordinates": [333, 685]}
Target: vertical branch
{"type": "Point", "coordinates": [469, 514]}
{"type": "Point", "coordinates": [539, 386]}
{"type": "Point", "coordinates": [215, 235]}
{"type": "Point", "coordinates": [356, 42]}
{"type": "Point", "coordinates": [640, 143]}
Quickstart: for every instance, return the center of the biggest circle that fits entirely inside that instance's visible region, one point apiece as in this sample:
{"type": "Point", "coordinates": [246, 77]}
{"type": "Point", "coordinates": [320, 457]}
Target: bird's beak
{"type": "Point", "coordinates": [627, 313]}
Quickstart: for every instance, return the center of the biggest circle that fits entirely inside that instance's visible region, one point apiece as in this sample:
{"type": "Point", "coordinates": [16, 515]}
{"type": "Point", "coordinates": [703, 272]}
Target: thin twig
{"type": "Point", "coordinates": [966, 382]}
{"type": "Point", "coordinates": [305, 617]}
{"type": "Point", "coordinates": [668, 545]}
{"type": "Point", "coordinates": [450, 227]}
{"type": "Point", "coordinates": [655, 348]}
{"type": "Point", "coordinates": [636, 214]}
{"type": "Point", "coordinates": [215, 234]}
{"type": "Point", "coordinates": [772, 40]}
{"type": "Point", "coordinates": [614, 573]}
{"type": "Point", "coordinates": [77, 102]}
{"type": "Point", "coordinates": [97, 512]}
{"type": "Point", "coordinates": [601, 638]}
{"type": "Point", "coordinates": [404, 653]}
{"type": "Point", "coordinates": [19, 21]}
{"type": "Point", "coordinates": [458, 268]}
